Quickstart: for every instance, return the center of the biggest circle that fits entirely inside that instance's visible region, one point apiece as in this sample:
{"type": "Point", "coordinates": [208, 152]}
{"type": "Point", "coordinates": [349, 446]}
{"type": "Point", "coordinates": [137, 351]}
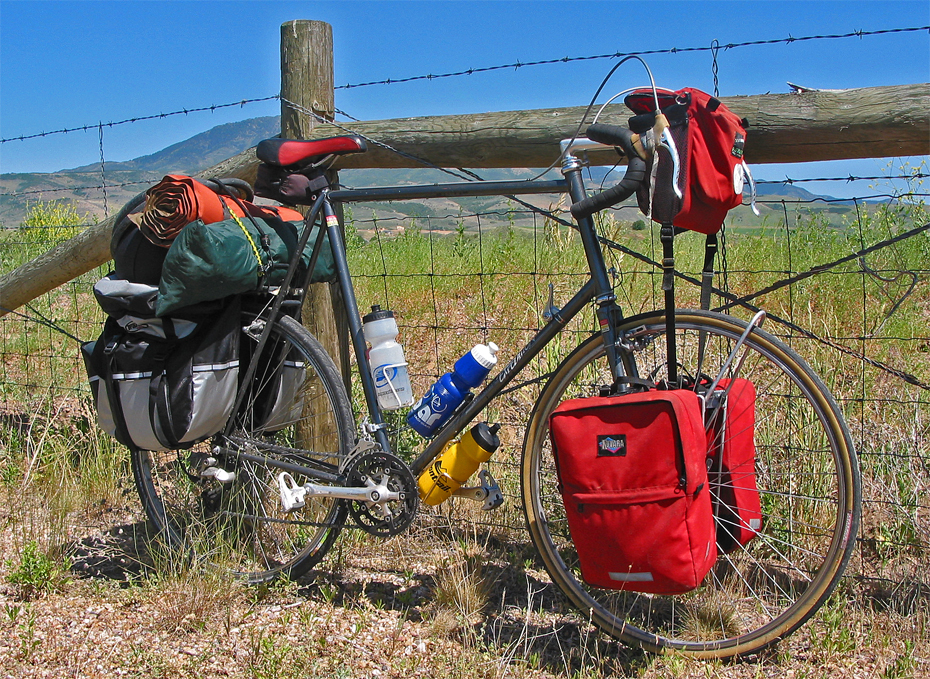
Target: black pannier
{"type": "Point", "coordinates": [162, 383]}
{"type": "Point", "coordinates": [276, 399]}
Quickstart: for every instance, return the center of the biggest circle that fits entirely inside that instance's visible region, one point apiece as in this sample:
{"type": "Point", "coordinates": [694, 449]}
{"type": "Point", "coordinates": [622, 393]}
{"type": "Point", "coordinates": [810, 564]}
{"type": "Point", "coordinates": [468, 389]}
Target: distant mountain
{"type": "Point", "coordinates": [783, 190]}
{"type": "Point", "coordinates": [200, 151]}
{"type": "Point", "coordinates": [80, 185]}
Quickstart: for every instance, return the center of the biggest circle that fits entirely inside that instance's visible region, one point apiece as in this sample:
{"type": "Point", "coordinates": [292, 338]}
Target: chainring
{"type": "Point", "coordinates": [399, 498]}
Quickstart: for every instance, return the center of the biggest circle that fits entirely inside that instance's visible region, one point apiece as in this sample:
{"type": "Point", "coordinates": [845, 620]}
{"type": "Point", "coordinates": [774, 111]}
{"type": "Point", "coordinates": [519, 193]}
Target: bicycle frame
{"type": "Point", "coordinates": [597, 288]}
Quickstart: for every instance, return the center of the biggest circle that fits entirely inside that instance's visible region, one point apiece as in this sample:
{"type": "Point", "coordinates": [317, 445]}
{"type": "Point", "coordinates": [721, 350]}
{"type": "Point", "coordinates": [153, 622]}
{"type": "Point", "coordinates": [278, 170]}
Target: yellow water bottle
{"type": "Point", "coordinates": [460, 460]}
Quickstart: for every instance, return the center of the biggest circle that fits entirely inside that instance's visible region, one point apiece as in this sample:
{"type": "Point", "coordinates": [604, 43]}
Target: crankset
{"type": "Point", "coordinates": [392, 497]}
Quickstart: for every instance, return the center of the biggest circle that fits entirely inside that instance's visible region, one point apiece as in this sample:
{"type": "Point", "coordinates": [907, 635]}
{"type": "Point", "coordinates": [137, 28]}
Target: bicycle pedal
{"type": "Point", "coordinates": [495, 497]}
{"type": "Point", "coordinates": [292, 495]}
{"type": "Point", "coordinates": [488, 491]}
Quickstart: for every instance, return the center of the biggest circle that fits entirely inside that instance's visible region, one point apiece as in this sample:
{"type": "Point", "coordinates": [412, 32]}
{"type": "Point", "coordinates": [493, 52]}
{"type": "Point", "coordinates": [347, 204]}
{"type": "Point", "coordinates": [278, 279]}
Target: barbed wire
{"type": "Point", "coordinates": [619, 55]}
{"type": "Point", "coordinates": [779, 182]}
{"type": "Point", "coordinates": [830, 201]}
{"type": "Point", "coordinates": [136, 119]}
{"type": "Point", "coordinates": [714, 47]}
{"type": "Point", "coordinates": [80, 188]}
{"type": "Point", "coordinates": [788, 181]}
{"type": "Point", "coordinates": [515, 211]}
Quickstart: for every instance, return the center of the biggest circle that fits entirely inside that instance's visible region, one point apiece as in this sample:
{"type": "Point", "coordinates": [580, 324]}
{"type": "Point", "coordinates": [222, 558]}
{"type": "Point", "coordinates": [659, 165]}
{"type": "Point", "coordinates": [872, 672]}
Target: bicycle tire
{"type": "Point", "coordinates": [808, 480]}
{"type": "Point", "coordinates": [241, 526]}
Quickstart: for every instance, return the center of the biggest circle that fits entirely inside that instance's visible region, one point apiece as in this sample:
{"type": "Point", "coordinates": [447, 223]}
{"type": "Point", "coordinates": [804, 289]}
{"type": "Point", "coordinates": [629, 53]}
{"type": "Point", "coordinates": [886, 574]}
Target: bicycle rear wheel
{"type": "Point", "coordinates": [808, 480]}
{"type": "Point", "coordinates": [296, 411]}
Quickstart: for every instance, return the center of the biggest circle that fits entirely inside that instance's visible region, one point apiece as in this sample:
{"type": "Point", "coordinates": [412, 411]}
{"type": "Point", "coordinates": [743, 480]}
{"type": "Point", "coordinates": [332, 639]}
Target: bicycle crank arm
{"type": "Point", "coordinates": [294, 497]}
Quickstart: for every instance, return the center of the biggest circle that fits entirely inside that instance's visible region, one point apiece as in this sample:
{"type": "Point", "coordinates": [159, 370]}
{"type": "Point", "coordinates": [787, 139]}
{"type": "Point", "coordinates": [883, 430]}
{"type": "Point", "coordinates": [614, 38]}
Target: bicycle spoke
{"type": "Point", "coordinates": [773, 577]}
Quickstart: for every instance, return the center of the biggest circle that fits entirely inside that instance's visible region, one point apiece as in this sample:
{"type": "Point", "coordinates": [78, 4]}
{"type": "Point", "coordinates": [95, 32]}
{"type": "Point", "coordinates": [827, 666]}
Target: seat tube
{"type": "Point", "coordinates": [608, 312]}
{"type": "Point", "coordinates": [337, 242]}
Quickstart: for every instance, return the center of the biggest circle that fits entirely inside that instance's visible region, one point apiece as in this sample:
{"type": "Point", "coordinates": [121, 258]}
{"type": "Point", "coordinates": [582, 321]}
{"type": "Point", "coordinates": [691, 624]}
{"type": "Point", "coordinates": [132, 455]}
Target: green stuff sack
{"type": "Point", "coordinates": [212, 261]}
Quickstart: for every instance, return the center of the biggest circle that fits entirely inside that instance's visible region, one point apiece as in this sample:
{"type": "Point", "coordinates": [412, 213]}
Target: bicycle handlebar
{"type": "Point", "coordinates": [634, 176]}
{"type": "Point", "coordinates": [613, 135]}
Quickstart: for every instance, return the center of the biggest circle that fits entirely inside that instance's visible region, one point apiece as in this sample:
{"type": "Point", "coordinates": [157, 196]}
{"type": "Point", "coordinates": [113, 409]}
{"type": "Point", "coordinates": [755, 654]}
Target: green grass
{"type": "Point", "coordinates": [35, 572]}
{"type": "Point", "coordinates": [452, 286]}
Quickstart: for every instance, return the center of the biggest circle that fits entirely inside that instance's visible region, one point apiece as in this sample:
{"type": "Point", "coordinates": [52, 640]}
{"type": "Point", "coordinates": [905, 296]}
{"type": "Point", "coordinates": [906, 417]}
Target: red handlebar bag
{"type": "Point", "coordinates": [633, 477]}
{"type": "Point", "coordinates": [732, 465]}
{"type": "Point", "coordinates": [710, 140]}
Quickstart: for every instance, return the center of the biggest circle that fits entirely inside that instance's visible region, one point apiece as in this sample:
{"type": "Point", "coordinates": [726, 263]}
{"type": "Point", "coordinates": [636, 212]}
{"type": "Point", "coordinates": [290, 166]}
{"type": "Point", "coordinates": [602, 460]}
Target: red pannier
{"type": "Point", "coordinates": [633, 477]}
{"type": "Point", "coordinates": [731, 464]}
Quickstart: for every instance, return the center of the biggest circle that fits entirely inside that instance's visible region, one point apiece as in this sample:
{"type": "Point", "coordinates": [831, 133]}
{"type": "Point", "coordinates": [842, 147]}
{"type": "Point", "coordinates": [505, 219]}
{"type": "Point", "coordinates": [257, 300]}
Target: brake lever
{"type": "Point", "coordinates": [665, 139]}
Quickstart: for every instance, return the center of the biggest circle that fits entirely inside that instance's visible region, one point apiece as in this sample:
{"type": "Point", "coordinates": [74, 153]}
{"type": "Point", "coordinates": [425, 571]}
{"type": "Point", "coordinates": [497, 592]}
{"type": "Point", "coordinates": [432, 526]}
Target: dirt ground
{"type": "Point", "coordinates": [375, 611]}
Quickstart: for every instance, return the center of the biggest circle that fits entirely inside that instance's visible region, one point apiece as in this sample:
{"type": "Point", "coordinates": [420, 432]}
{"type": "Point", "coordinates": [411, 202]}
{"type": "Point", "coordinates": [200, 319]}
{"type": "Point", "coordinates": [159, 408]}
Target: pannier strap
{"type": "Point", "coordinates": [667, 235]}
{"type": "Point", "coordinates": [707, 274]}
{"type": "Point", "coordinates": [613, 389]}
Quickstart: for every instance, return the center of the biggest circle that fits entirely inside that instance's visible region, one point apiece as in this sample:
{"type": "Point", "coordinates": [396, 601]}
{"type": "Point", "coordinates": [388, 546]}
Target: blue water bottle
{"type": "Point", "coordinates": [446, 395]}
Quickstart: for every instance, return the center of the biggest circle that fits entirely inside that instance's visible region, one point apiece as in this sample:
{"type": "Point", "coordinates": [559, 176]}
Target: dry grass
{"type": "Point", "coordinates": [452, 597]}
{"type": "Point", "coordinates": [431, 603]}
{"type": "Point", "coordinates": [461, 591]}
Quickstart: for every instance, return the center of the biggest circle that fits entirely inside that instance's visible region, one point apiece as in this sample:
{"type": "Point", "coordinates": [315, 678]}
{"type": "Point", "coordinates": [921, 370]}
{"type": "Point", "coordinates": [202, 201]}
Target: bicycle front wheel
{"type": "Point", "coordinates": [296, 411]}
{"type": "Point", "coordinates": [808, 481]}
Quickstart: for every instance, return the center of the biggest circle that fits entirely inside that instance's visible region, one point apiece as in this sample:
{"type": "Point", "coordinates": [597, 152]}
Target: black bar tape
{"type": "Point", "coordinates": [613, 135]}
{"type": "Point", "coordinates": [635, 174]}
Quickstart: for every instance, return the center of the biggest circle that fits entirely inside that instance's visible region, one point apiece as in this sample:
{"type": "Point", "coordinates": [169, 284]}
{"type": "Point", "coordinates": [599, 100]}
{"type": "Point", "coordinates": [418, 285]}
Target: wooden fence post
{"type": "Point", "coordinates": [307, 81]}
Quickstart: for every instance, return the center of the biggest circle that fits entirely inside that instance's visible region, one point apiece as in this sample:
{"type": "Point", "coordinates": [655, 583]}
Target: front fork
{"type": "Point", "coordinates": [609, 314]}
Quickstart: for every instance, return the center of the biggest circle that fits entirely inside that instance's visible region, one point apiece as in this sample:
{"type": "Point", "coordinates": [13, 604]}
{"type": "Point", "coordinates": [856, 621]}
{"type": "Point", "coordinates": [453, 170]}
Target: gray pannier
{"type": "Point", "coordinates": [276, 399]}
{"type": "Point", "coordinates": [161, 383]}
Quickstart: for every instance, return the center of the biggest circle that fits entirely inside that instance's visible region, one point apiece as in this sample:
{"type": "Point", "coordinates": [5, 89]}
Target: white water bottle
{"type": "Point", "coordinates": [386, 357]}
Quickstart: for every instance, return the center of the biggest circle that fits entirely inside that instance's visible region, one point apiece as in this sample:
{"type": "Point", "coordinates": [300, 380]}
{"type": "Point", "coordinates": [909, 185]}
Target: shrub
{"type": "Point", "coordinates": [36, 572]}
{"type": "Point", "coordinates": [51, 222]}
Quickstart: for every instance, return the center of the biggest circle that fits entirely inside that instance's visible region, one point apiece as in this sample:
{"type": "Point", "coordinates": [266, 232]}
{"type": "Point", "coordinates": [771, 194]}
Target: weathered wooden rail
{"type": "Point", "coordinates": [875, 122]}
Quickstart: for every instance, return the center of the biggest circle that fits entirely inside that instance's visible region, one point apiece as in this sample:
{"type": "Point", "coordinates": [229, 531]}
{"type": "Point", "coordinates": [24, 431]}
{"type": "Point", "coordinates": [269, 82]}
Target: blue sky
{"type": "Point", "coordinates": [67, 64]}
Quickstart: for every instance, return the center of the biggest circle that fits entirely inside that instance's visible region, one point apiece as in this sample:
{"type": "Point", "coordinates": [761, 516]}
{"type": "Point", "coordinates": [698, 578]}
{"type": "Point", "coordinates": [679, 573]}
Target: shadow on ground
{"type": "Point", "coordinates": [120, 553]}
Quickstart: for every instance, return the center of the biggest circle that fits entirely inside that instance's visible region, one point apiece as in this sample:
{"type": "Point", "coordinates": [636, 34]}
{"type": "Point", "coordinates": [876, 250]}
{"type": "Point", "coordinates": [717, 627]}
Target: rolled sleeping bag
{"type": "Point", "coordinates": [172, 204]}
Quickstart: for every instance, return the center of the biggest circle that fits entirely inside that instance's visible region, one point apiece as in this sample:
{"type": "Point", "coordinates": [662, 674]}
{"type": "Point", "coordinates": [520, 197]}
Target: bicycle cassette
{"type": "Point", "coordinates": [392, 491]}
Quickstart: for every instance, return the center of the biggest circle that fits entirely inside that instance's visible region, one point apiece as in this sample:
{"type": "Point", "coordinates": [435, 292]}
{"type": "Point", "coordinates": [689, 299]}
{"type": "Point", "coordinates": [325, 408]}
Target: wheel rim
{"type": "Point", "coordinates": [240, 526]}
{"type": "Point", "coordinates": [808, 485]}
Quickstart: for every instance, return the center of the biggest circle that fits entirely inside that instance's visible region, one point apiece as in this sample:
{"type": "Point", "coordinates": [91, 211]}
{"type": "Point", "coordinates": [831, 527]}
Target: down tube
{"type": "Point", "coordinates": [520, 361]}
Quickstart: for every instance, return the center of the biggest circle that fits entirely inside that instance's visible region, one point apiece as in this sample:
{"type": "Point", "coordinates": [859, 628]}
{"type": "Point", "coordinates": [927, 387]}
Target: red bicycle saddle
{"type": "Point", "coordinates": [288, 152]}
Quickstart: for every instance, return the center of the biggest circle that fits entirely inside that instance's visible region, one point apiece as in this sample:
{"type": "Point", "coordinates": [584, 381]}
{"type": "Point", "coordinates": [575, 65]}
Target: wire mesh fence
{"type": "Point", "coordinates": [457, 278]}
{"type": "Point", "coordinates": [843, 283]}
{"type": "Point", "coordinates": [862, 324]}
